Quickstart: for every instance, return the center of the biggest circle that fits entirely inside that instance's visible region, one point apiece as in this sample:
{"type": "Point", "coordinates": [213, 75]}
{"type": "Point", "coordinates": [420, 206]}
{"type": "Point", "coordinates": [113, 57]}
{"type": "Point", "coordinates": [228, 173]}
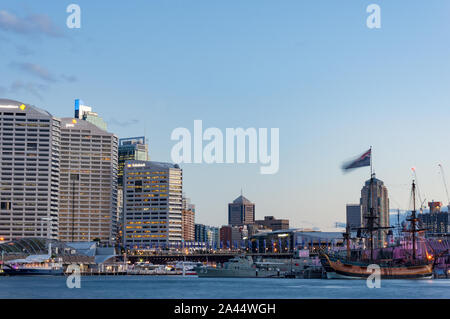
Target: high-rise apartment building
{"type": "Point", "coordinates": [29, 171]}
{"type": "Point", "coordinates": [88, 182]}
{"type": "Point", "coordinates": [241, 212]}
{"type": "Point", "coordinates": [374, 194]}
{"type": "Point", "coordinates": [188, 224]}
{"type": "Point", "coordinates": [152, 204]}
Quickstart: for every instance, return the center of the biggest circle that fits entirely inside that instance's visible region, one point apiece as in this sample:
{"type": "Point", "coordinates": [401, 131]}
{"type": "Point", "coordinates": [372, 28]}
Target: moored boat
{"type": "Point", "coordinates": [40, 265]}
{"type": "Point", "coordinates": [240, 266]}
{"type": "Point", "coordinates": [348, 266]}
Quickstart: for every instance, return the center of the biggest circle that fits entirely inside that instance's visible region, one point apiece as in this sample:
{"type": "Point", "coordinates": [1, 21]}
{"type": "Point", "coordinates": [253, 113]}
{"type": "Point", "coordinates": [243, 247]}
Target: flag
{"type": "Point", "coordinates": [361, 161]}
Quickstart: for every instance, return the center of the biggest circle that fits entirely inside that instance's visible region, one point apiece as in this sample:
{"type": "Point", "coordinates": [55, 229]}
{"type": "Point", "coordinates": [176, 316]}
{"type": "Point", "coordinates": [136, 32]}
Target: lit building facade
{"type": "Point", "coordinates": [130, 149]}
{"type": "Point", "coordinates": [29, 171]}
{"type": "Point", "coordinates": [88, 182]}
{"type": "Point", "coordinates": [152, 204]}
{"type": "Point", "coordinates": [436, 222]}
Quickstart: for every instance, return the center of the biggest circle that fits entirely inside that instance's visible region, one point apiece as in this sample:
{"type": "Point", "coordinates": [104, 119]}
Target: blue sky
{"type": "Point", "coordinates": [310, 68]}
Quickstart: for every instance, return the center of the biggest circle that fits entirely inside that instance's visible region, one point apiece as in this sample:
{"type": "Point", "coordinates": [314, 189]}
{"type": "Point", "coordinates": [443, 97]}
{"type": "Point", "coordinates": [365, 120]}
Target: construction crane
{"type": "Point", "coordinates": [445, 183]}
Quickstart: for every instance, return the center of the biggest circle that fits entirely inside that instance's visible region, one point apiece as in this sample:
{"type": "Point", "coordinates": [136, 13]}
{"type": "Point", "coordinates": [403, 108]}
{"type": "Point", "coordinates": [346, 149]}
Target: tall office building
{"type": "Point", "coordinates": [130, 149]}
{"type": "Point", "coordinates": [29, 171]}
{"type": "Point", "coordinates": [88, 182]}
{"type": "Point", "coordinates": [84, 112]}
{"type": "Point", "coordinates": [241, 212]}
{"type": "Point", "coordinates": [353, 212]}
{"type": "Point", "coordinates": [152, 204]}
{"type": "Point", "coordinates": [380, 204]}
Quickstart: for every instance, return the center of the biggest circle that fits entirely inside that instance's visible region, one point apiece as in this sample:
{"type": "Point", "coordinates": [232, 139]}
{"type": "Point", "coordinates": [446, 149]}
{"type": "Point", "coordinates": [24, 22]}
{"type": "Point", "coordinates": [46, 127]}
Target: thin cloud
{"type": "Point", "coordinates": [31, 24]}
{"type": "Point", "coordinates": [35, 70]}
{"type": "Point", "coordinates": [116, 122]}
{"type": "Point", "coordinates": [69, 78]}
{"type": "Point", "coordinates": [23, 50]}
{"type": "Point", "coordinates": [19, 86]}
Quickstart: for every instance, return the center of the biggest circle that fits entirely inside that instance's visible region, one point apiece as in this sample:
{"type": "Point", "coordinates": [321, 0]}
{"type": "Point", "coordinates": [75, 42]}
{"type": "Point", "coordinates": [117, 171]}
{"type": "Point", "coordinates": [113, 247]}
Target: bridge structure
{"type": "Point", "coordinates": [198, 257]}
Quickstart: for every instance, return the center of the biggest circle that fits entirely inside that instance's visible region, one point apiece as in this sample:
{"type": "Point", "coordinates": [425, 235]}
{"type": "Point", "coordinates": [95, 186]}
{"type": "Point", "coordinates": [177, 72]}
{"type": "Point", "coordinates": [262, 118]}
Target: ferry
{"type": "Point", "coordinates": [41, 265]}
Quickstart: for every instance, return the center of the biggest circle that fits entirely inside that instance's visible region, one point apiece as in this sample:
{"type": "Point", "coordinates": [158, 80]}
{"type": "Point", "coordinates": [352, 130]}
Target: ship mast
{"type": "Point", "coordinates": [346, 236]}
{"type": "Point", "coordinates": [413, 219]}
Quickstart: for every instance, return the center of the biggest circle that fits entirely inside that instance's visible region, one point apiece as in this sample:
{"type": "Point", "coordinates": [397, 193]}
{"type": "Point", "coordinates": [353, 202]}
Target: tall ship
{"type": "Point", "coordinates": [401, 262]}
{"type": "Point", "coordinates": [356, 264]}
{"type": "Point", "coordinates": [33, 265]}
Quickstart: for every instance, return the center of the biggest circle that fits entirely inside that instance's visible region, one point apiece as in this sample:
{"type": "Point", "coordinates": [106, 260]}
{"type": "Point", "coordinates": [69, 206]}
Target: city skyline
{"type": "Point", "coordinates": [256, 65]}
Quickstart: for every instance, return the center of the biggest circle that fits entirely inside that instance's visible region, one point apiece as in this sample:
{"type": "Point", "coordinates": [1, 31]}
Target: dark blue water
{"type": "Point", "coordinates": [193, 287]}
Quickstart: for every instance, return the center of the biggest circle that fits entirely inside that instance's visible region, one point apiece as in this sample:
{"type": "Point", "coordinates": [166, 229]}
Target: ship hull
{"type": "Point", "coordinates": [337, 269]}
{"type": "Point", "coordinates": [32, 272]}
{"type": "Point", "coordinates": [232, 273]}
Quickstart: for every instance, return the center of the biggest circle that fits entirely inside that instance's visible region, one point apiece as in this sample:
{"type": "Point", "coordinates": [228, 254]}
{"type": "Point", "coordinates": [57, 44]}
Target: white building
{"type": "Point", "coordinates": [88, 183]}
{"type": "Point", "coordinates": [29, 171]}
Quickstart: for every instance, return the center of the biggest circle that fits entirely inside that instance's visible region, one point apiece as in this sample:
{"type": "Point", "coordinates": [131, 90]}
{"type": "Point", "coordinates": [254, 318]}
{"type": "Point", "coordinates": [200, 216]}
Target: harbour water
{"type": "Point", "coordinates": [192, 287]}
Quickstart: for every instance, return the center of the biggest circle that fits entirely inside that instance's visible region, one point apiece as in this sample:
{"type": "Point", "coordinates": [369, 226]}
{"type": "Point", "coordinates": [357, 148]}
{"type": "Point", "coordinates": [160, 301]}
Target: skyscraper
{"type": "Point", "coordinates": [241, 212]}
{"type": "Point", "coordinates": [88, 182]}
{"type": "Point", "coordinates": [353, 212]}
{"type": "Point", "coordinates": [131, 149]}
{"type": "Point", "coordinates": [380, 203]}
{"type": "Point", "coordinates": [29, 171]}
{"type": "Point", "coordinates": [152, 204]}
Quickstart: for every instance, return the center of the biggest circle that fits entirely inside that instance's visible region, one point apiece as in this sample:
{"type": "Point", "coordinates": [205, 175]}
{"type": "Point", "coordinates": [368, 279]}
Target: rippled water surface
{"type": "Point", "coordinates": [193, 287]}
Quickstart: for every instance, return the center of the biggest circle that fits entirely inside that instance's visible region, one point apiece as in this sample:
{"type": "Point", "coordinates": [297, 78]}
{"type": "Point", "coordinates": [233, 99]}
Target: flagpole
{"type": "Point", "coordinates": [371, 169]}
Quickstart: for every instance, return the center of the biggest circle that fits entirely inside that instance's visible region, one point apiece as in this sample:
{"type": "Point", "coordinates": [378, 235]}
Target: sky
{"type": "Point", "coordinates": [313, 69]}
